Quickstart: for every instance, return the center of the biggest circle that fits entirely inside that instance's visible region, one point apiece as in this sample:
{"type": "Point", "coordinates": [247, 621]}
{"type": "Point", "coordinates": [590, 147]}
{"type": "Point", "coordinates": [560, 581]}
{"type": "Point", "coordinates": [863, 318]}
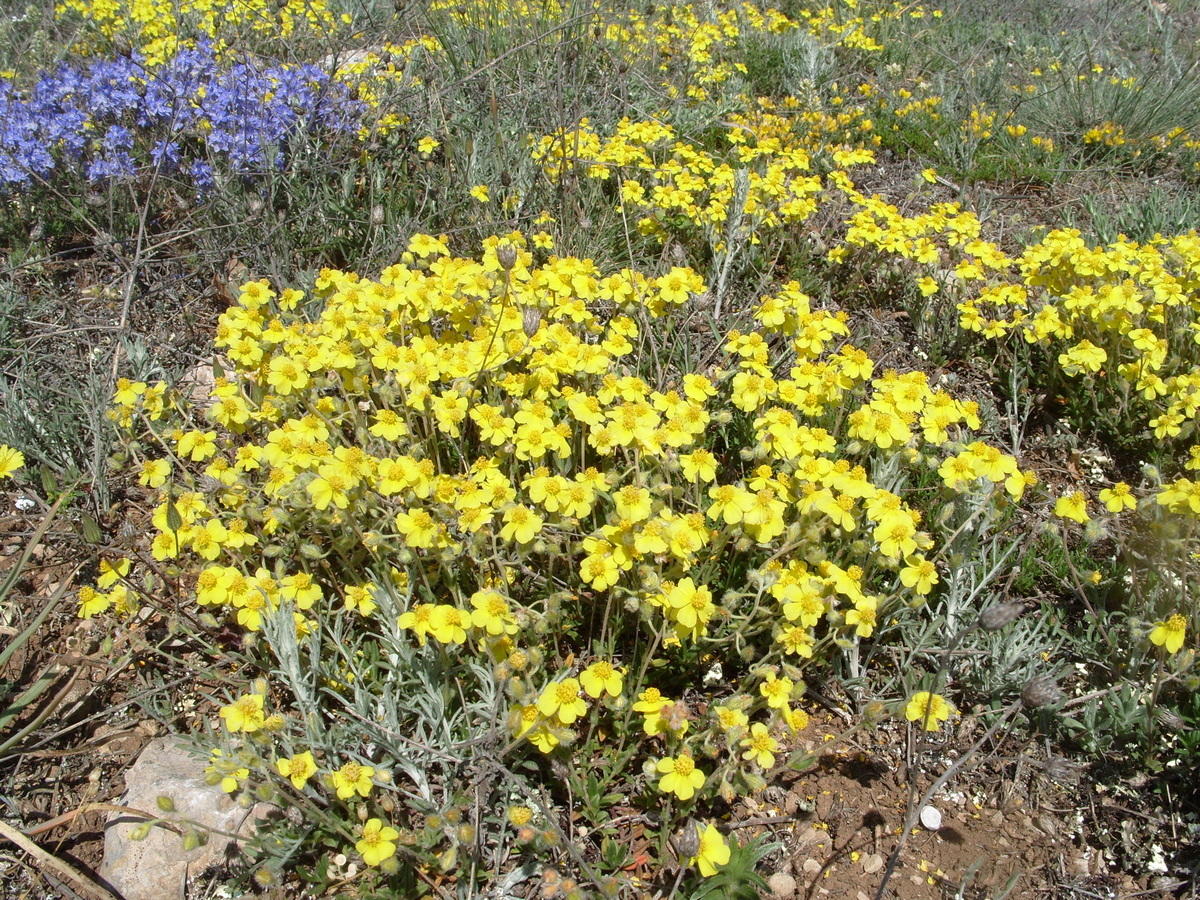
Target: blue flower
{"type": "Point", "coordinates": [112, 117]}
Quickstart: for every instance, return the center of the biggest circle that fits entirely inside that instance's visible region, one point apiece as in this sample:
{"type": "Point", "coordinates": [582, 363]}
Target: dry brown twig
{"type": "Point", "coordinates": [88, 887]}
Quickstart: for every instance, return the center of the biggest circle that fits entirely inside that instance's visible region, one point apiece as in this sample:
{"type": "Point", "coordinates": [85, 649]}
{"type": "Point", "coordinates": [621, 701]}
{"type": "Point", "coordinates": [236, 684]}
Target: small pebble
{"type": "Point", "coordinates": [931, 818]}
{"type": "Point", "coordinates": [782, 886]}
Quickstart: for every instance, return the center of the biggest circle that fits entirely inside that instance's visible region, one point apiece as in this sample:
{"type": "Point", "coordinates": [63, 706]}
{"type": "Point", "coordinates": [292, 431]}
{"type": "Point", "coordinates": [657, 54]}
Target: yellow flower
{"type": "Point", "coordinates": [1118, 498]}
{"type": "Point", "coordinates": [795, 719]}
{"type": "Point", "coordinates": [419, 528]}
{"type": "Point", "coordinates": [521, 524]}
{"type": "Point", "coordinates": [352, 779]}
{"type": "Point", "coordinates": [519, 815]}
{"type": "Point", "coordinates": [427, 145]}
{"type": "Point", "coordinates": [919, 574]}
{"type": "Point", "coordinates": [729, 718]}
{"type": "Point", "coordinates": [862, 616]}
{"type": "Point", "coordinates": [298, 769]}
{"type": "Point", "coordinates": [1169, 634]}
{"type": "Point", "coordinates": [602, 677]}
{"type": "Point", "coordinates": [928, 709]}
{"type": "Point", "coordinates": [92, 602]}
{"type": "Point", "coordinates": [699, 465]}
{"type": "Point", "coordinates": [1072, 506]}
{"type": "Point", "coordinates": [633, 503]}
{"type": "Point", "coordinates": [448, 624]}
{"type": "Point", "coordinates": [197, 445]}
{"type": "Point", "coordinates": [679, 776]}
{"type": "Point", "coordinates": [492, 613]}
{"type": "Point", "coordinates": [112, 572]}
{"type": "Point", "coordinates": [378, 842]}
{"type": "Point", "coordinates": [360, 598]}
{"type": "Point", "coordinates": [10, 461]}
{"type": "Point", "coordinates": [777, 691]}
{"type": "Point", "coordinates": [244, 714]}
{"type": "Point", "coordinates": [713, 852]}
{"type": "Point", "coordinates": [388, 426]}
{"type": "Point", "coordinates": [760, 746]}
{"type": "Point", "coordinates": [153, 474]}
{"type": "Point", "coordinates": [730, 503]}
{"type": "Point", "coordinates": [561, 699]}
{"type": "Point", "coordinates": [690, 606]}
{"type": "Point", "coordinates": [425, 245]}
{"type": "Point", "coordinates": [480, 193]}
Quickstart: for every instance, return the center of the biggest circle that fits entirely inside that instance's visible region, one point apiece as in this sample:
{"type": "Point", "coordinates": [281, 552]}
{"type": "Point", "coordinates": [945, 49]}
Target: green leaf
{"type": "Point", "coordinates": [90, 529]}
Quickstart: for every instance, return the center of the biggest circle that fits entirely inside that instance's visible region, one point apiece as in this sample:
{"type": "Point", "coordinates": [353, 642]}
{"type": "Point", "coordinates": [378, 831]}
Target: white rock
{"type": "Point", "coordinates": [782, 886]}
{"type": "Point", "coordinates": [931, 817]}
{"type": "Point", "coordinates": [157, 867]}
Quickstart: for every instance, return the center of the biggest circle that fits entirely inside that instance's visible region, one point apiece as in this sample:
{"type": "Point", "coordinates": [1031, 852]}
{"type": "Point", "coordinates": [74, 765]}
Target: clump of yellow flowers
{"type": "Point", "coordinates": [476, 444]}
{"type": "Point", "coordinates": [158, 29]}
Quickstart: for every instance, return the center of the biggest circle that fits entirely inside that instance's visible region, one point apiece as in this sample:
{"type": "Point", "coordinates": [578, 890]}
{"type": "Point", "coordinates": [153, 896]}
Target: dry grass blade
{"type": "Point", "coordinates": [87, 887]}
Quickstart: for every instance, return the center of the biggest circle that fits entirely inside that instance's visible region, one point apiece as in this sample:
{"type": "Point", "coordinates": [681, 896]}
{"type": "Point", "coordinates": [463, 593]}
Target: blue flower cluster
{"type": "Point", "coordinates": [113, 117]}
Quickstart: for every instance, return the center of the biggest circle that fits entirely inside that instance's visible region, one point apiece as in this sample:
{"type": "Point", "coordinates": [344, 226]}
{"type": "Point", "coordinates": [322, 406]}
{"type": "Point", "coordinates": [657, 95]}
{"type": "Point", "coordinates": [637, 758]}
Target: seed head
{"type": "Point", "coordinates": [998, 615]}
{"type": "Point", "coordinates": [1042, 690]}
{"type": "Point", "coordinates": [531, 318]}
{"type": "Point", "coordinates": [1169, 720]}
{"type": "Point", "coordinates": [506, 255]}
{"type": "Point", "coordinates": [686, 841]}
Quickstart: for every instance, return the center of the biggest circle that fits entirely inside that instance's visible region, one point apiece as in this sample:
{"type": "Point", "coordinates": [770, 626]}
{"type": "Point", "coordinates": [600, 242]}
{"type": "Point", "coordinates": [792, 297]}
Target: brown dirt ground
{"type": "Point", "coordinates": [79, 754]}
{"type": "Point", "coordinates": [1008, 828]}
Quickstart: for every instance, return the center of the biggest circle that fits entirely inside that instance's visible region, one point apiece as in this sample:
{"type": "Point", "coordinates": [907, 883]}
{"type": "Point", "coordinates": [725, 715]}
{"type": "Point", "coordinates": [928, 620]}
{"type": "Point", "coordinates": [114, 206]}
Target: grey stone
{"type": "Point", "coordinates": [782, 886]}
{"type": "Point", "coordinates": [157, 867]}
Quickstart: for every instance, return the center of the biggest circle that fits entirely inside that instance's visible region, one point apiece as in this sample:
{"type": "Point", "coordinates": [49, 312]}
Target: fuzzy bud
{"type": "Point", "coordinates": [1042, 690]}
{"type": "Point", "coordinates": [998, 615]}
{"type": "Point", "coordinates": [531, 320]}
{"type": "Point", "coordinates": [686, 841]}
{"type": "Point", "coordinates": [1169, 720]}
{"type": "Point", "coordinates": [676, 715]}
{"type": "Point", "coordinates": [506, 255]}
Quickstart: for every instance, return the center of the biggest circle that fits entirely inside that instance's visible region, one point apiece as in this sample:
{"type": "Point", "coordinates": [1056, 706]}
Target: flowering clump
{"type": "Point", "coordinates": [768, 173]}
{"type": "Point", "coordinates": [158, 29]}
{"type": "Point", "coordinates": [369, 435]}
{"type": "Point", "coordinates": [113, 118]}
